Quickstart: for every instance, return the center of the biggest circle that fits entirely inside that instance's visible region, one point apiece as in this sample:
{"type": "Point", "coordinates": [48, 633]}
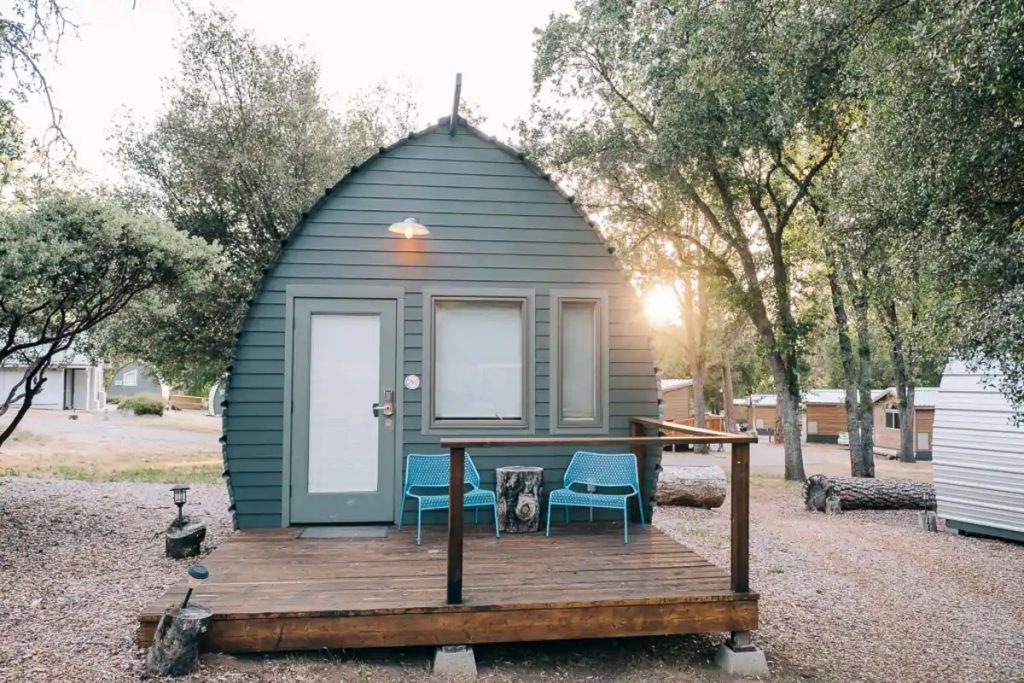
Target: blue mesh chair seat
{"type": "Point", "coordinates": [424, 473]}
{"type": "Point", "coordinates": [599, 470]}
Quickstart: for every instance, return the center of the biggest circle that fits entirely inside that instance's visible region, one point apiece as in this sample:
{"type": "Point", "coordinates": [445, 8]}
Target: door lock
{"type": "Point", "coordinates": [387, 406]}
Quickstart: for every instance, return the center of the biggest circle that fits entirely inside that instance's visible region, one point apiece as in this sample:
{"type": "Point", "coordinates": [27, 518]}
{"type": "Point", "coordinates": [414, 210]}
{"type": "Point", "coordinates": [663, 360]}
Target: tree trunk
{"type": "Point", "coordinates": [856, 493]}
{"type": "Point", "coordinates": [520, 491]}
{"type": "Point", "coordinates": [864, 403]}
{"type": "Point", "coordinates": [691, 486]}
{"type": "Point", "coordinates": [727, 399]}
{"type": "Point", "coordinates": [851, 383]}
{"type": "Point", "coordinates": [904, 388]}
{"type": "Point", "coordinates": [175, 650]}
{"type": "Point", "coordinates": [694, 343]}
{"type": "Point", "coordinates": [789, 411]}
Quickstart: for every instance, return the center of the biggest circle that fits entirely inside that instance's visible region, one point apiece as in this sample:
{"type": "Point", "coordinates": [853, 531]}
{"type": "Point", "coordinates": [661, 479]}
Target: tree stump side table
{"type": "Point", "coordinates": [519, 491]}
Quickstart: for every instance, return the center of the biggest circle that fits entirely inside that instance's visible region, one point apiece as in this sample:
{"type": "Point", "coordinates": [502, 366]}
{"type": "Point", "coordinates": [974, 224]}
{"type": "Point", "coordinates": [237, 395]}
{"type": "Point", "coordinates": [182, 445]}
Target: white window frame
{"type": "Point", "coordinates": [894, 413]}
{"type": "Point", "coordinates": [598, 424]}
{"type": "Point", "coordinates": [134, 375]}
{"type": "Point", "coordinates": [430, 423]}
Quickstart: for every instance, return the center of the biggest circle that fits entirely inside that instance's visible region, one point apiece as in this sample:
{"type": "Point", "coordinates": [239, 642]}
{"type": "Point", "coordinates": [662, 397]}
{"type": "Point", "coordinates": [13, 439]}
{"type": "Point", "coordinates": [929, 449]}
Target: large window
{"type": "Point", "coordinates": [579, 372]}
{"type": "Point", "coordinates": [480, 361]}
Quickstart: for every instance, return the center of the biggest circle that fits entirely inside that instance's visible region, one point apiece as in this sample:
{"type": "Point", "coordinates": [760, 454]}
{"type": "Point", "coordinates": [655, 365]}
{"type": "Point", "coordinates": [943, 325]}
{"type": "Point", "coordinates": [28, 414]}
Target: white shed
{"type": "Point", "coordinates": [979, 456]}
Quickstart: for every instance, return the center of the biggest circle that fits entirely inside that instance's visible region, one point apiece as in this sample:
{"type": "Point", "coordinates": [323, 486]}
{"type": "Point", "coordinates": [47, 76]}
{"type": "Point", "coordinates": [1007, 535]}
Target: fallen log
{"type": "Point", "coordinates": [858, 493]}
{"type": "Point", "coordinates": [702, 487]}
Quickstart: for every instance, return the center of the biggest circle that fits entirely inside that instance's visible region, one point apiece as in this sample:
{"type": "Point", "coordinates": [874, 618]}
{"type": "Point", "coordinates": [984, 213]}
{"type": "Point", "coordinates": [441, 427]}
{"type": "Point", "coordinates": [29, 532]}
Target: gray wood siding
{"type": "Point", "coordinates": [494, 222]}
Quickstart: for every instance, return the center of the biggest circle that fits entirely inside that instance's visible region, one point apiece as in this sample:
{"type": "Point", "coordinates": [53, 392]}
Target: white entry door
{"type": "Point", "coordinates": [342, 435]}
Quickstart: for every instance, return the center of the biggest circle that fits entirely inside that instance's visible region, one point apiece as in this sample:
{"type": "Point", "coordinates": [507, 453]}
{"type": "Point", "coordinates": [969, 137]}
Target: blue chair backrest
{"type": "Point", "coordinates": [602, 469]}
{"type": "Point", "coordinates": [432, 471]}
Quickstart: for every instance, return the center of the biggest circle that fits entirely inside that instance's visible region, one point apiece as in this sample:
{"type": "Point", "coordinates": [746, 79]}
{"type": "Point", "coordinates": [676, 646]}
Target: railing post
{"type": "Point", "coordinates": [637, 429]}
{"type": "Point", "coordinates": [457, 468]}
{"type": "Point", "coordinates": [740, 536]}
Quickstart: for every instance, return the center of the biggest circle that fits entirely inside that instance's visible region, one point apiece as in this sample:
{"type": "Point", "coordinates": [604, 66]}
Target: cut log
{"type": "Point", "coordinates": [519, 495]}
{"type": "Point", "coordinates": [858, 493]}
{"type": "Point", "coordinates": [184, 541]}
{"type": "Point", "coordinates": [702, 487]}
{"type": "Point", "coordinates": [175, 650]}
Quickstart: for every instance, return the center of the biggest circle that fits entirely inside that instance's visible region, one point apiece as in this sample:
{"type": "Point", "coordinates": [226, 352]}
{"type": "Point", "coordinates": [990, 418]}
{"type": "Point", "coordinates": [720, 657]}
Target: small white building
{"type": "Point", "coordinates": [979, 456]}
{"type": "Point", "coordinates": [73, 382]}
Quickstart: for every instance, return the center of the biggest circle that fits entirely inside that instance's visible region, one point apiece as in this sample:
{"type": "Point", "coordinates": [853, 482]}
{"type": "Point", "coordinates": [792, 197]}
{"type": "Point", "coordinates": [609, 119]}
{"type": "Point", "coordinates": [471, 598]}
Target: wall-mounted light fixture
{"type": "Point", "coordinates": [410, 227]}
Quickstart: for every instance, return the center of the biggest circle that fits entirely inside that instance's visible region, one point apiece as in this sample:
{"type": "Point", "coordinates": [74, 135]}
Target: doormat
{"type": "Point", "coordinates": [344, 532]}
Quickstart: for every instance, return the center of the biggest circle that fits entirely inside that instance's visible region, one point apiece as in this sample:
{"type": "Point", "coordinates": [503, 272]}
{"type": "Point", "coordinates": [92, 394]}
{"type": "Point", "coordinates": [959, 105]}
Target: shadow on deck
{"type": "Point", "coordinates": [272, 591]}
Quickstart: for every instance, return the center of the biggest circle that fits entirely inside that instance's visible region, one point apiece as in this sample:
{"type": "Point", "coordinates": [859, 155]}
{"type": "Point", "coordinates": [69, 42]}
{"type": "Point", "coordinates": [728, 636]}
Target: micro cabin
{"type": "Point", "coordinates": [825, 415]}
{"type": "Point", "coordinates": [445, 287]}
{"type": "Point", "coordinates": [135, 379]}
{"type": "Point", "coordinates": [677, 399]}
{"type": "Point", "coordinates": [759, 410]}
{"type": "Point", "coordinates": [886, 417]}
{"type": "Point", "coordinates": [979, 455]}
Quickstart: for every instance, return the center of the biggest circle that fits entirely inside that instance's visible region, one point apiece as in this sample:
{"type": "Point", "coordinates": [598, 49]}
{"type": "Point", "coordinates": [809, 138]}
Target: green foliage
{"type": "Point", "coordinates": [247, 142]}
{"type": "Point", "coordinates": [68, 263]}
{"type": "Point", "coordinates": [935, 174]}
{"type": "Point", "coordinates": [143, 404]}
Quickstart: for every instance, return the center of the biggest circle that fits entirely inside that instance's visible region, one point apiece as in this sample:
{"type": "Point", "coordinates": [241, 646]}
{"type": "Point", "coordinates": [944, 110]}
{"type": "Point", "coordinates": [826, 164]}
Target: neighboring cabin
{"type": "Point", "coordinates": [73, 382]}
{"type": "Point", "coordinates": [825, 413]}
{"type": "Point", "coordinates": [979, 455]}
{"type": "Point", "coordinates": [677, 399]}
{"type": "Point", "coordinates": [136, 378]}
{"type": "Point", "coordinates": [510, 318]}
{"type": "Point", "coordinates": [759, 410]}
{"type": "Point", "coordinates": [887, 422]}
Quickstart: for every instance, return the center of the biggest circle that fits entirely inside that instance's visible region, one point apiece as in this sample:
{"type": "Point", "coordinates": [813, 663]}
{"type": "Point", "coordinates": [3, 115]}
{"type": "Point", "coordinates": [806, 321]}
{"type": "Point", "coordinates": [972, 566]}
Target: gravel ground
{"type": "Point", "coordinates": [79, 560]}
{"type": "Point", "coordinates": [868, 596]}
{"type": "Point", "coordinates": [859, 597]}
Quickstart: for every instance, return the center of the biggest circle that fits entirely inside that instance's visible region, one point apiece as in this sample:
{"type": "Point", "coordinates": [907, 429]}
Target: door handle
{"type": "Point", "coordinates": [387, 406]}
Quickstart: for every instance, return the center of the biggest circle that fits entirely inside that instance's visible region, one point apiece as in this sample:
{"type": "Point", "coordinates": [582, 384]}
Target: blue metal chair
{"type": "Point", "coordinates": [432, 472]}
{"type": "Point", "coordinates": [599, 470]}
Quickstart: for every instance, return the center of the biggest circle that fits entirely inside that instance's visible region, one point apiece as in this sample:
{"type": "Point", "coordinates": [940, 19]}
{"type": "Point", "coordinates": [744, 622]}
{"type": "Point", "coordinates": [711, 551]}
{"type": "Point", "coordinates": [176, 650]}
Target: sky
{"type": "Point", "coordinates": [117, 62]}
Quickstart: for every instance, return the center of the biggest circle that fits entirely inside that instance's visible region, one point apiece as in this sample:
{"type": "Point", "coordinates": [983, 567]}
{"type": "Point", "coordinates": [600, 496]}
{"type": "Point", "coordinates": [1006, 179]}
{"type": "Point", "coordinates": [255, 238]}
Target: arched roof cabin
{"type": "Point", "coordinates": [511, 317]}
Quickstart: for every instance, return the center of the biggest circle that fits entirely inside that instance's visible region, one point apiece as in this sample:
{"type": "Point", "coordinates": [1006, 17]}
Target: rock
{"type": "Point", "coordinates": [691, 486]}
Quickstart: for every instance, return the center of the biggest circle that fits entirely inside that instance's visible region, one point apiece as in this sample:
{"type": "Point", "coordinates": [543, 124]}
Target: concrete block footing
{"type": "Point", "coordinates": [739, 657]}
{"type": "Point", "coordinates": [455, 661]}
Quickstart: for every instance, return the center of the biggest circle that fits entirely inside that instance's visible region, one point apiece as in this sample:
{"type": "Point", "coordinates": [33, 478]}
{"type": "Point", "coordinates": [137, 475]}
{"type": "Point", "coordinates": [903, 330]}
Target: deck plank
{"type": "Point", "coordinates": [272, 591]}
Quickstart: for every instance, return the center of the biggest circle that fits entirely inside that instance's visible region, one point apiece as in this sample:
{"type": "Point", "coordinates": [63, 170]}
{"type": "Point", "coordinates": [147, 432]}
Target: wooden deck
{"type": "Point", "coordinates": [271, 591]}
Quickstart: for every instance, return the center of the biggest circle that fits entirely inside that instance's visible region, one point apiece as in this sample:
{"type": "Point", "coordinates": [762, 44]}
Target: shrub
{"type": "Point", "coordinates": [115, 400]}
{"type": "Point", "coordinates": [143, 404]}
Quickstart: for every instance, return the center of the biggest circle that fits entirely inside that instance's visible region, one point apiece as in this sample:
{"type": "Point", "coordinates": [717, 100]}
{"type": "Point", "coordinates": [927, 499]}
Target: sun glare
{"type": "Point", "coordinates": [661, 306]}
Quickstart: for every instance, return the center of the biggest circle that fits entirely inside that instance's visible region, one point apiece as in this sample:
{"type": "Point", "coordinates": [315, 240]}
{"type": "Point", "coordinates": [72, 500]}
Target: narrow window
{"type": "Point", "coordinates": [580, 372]}
{"type": "Point", "coordinates": [479, 361]}
{"type": "Point", "coordinates": [892, 418]}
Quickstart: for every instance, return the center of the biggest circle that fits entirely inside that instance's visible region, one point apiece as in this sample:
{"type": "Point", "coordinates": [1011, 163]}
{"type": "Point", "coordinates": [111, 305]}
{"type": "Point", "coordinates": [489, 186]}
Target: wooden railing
{"type": "Point", "coordinates": [740, 529]}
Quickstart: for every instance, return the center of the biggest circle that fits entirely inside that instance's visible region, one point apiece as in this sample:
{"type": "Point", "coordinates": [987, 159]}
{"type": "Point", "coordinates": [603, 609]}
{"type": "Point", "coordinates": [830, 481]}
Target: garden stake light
{"type": "Point", "coordinates": [180, 492]}
{"type": "Point", "coordinates": [197, 573]}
